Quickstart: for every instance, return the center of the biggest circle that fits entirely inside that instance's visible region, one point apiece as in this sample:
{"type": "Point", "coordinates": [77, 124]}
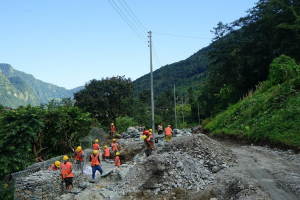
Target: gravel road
{"type": "Point", "coordinates": [276, 172]}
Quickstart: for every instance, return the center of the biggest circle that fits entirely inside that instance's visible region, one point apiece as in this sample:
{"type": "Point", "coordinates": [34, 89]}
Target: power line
{"type": "Point", "coordinates": [126, 17]}
{"type": "Point", "coordinates": [157, 60]}
{"type": "Point", "coordinates": [126, 21]}
{"type": "Point", "coordinates": [135, 16]}
{"type": "Point", "coordinates": [182, 36]}
{"type": "Point", "coordinates": [131, 16]}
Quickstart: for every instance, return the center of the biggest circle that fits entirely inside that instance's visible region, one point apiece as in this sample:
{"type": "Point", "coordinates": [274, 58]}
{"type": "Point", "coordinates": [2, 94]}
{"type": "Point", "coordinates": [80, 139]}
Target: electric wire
{"type": "Point", "coordinates": [131, 16]}
{"type": "Point", "coordinates": [156, 57]}
{"type": "Point", "coordinates": [133, 22]}
{"type": "Point", "coordinates": [135, 16]}
{"type": "Point", "coordinates": [182, 36]}
{"type": "Point", "coordinates": [143, 39]}
{"type": "Point", "coordinates": [126, 17]}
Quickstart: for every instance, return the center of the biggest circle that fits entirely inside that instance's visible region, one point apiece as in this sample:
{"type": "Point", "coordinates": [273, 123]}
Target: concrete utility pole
{"type": "Point", "coordinates": [151, 79]}
{"type": "Point", "coordinates": [175, 108]}
{"type": "Point", "coordinates": [198, 115]}
{"type": "Point", "coordinates": [182, 115]}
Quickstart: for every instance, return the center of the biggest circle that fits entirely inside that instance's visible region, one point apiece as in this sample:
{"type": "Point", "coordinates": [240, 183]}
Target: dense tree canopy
{"type": "Point", "coordinates": [243, 50]}
{"type": "Point", "coordinates": [29, 134]}
{"type": "Point", "coordinates": [106, 99]}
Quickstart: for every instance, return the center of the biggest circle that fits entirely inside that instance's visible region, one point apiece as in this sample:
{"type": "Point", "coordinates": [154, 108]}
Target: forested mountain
{"type": "Point", "coordinates": [18, 88]}
{"type": "Point", "coordinates": [182, 74]}
{"type": "Point", "coordinates": [243, 50]}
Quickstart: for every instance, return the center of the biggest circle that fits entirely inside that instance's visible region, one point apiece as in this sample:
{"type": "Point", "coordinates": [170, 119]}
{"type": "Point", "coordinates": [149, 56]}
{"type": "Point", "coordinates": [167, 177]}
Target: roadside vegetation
{"type": "Point", "coordinates": [269, 115]}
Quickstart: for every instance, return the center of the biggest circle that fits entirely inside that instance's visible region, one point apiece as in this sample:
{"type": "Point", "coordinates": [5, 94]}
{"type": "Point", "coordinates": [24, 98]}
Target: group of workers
{"type": "Point", "coordinates": [95, 158]}
{"type": "Point", "coordinates": [147, 137]}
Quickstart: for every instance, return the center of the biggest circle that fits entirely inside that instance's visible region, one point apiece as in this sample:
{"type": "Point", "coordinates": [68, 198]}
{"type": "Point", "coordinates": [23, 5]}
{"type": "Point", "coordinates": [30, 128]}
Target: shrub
{"type": "Point", "coordinates": [283, 69]}
{"type": "Point", "coordinates": [124, 122]}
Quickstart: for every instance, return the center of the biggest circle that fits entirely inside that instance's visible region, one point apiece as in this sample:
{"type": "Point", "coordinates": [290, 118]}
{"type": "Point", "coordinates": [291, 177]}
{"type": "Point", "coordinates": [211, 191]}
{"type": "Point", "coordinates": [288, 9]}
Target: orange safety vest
{"type": "Point", "coordinates": [96, 146]}
{"type": "Point", "coordinates": [112, 129]}
{"type": "Point", "coordinates": [94, 160]}
{"type": "Point", "coordinates": [65, 168]}
{"type": "Point", "coordinates": [146, 132]}
{"type": "Point", "coordinates": [168, 131]}
{"type": "Point", "coordinates": [106, 152]}
{"type": "Point", "coordinates": [79, 155]}
{"type": "Point", "coordinates": [117, 161]}
{"type": "Point", "coordinates": [52, 168]}
{"type": "Point", "coordinates": [115, 146]}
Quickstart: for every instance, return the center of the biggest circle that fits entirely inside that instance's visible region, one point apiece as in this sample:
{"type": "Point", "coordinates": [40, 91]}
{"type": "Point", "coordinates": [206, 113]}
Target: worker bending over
{"type": "Point", "coordinates": [54, 166]}
{"type": "Point", "coordinates": [148, 144]}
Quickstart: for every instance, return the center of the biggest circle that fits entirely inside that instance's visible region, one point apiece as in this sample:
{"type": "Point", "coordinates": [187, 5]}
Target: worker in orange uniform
{"type": "Point", "coordinates": [95, 163]}
{"type": "Point", "coordinates": [115, 147]}
{"type": "Point", "coordinates": [96, 145]}
{"type": "Point", "coordinates": [117, 160]}
{"type": "Point", "coordinates": [146, 132]}
{"type": "Point", "coordinates": [168, 133]}
{"type": "Point", "coordinates": [148, 144]}
{"type": "Point", "coordinates": [150, 138]}
{"type": "Point", "coordinates": [79, 156]}
{"type": "Point", "coordinates": [106, 152]}
{"type": "Point", "coordinates": [54, 166]}
{"type": "Point", "coordinates": [67, 172]}
{"type": "Point", "coordinates": [112, 130]}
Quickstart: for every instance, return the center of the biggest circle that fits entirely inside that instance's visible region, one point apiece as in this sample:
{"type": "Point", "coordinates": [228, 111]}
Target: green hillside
{"type": "Point", "coordinates": [271, 115]}
{"type": "Point", "coordinates": [183, 74]}
{"type": "Point", "coordinates": [18, 88]}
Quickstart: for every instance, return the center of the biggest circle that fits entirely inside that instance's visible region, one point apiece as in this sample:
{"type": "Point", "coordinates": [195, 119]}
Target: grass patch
{"type": "Point", "coordinates": [270, 115]}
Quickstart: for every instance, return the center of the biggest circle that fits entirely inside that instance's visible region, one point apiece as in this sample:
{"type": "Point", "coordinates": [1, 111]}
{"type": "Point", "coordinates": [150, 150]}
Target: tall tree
{"type": "Point", "coordinates": [106, 99]}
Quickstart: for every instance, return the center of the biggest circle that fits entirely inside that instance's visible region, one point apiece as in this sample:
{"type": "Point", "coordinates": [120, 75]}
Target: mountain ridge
{"type": "Point", "coordinates": [19, 88]}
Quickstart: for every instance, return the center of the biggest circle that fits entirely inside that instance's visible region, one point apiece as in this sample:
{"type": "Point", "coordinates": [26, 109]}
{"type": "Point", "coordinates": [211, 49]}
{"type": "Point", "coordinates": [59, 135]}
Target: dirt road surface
{"type": "Point", "coordinates": [276, 172]}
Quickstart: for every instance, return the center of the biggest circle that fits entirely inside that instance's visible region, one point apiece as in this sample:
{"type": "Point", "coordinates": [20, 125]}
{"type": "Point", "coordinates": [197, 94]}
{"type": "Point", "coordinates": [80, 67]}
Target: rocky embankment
{"type": "Point", "coordinates": [191, 167]}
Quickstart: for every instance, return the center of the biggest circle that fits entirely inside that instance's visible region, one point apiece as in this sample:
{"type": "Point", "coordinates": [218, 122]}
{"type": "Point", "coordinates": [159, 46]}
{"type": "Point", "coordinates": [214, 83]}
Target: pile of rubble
{"type": "Point", "coordinates": [188, 163]}
{"type": "Point", "coordinates": [132, 132]}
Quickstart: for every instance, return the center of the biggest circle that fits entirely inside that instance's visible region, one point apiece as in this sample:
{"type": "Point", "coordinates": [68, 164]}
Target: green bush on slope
{"type": "Point", "coordinates": [272, 114]}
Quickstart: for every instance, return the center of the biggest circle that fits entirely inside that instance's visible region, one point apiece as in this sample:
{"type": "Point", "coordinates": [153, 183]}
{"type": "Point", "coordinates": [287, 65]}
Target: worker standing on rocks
{"type": "Point", "coordinates": [79, 156]}
{"type": "Point", "coordinates": [67, 172]}
{"type": "Point", "coordinates": [117, 160]}
{"type": "Point", "coordinates": [106, 152]}
{"type": "Point", "coordinates": [96, 145]}
{"type": "Point", "coordinates": [115, 147]}
{"type": "Point", "coordinates": [95, 163]}
{"type": "Point", "coordinates": [160, 128]}
{"type": "Point", "coordinates": [148, 148]}
{"type": "Point", "coordinates": [150, 137]}
{"type": "Point", "coordinates": [168, 133]}
{"type": "Point", "coordinates": [112, 130]}
{"type": "Point", "coordinates": [54, 166]}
